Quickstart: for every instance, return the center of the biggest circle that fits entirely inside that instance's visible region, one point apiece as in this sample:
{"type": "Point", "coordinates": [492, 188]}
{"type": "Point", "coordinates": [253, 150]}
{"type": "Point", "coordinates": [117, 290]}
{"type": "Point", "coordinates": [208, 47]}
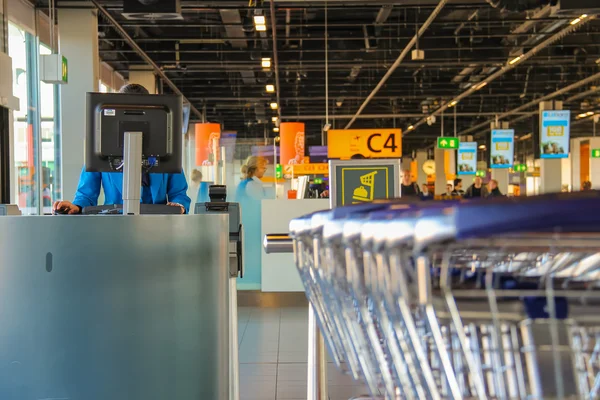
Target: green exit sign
{"type": "Point", "coordinates": [480, 174]}
{"type": "Point", "coordinates": [448, 143]}
{"type": "Point", "coordinates": [520, 168]}
{"type": "Point", "coordinates": [596, 153]}
{"type": "Point", "coordinates": [278, 171]}
{"type": "Point", "coordinates": [65, 70]}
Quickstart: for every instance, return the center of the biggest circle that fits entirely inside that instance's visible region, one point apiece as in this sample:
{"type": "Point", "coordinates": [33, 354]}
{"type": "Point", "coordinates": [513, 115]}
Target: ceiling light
{"type": "Point", "coordinates": [410, 128]}
{"type": "Point", "coordinates": [453, 103]}
{"type": "Point", "coordinates": [590, 113]}
{"type": "Point", "coordinates": [275, 129]}
{"type": "Point", "coordinates": [270, 88]}
{"type": "Point", "coordinates": [582, 115]}
{"type": "Point", "coordinates": [266, 63]}
{"type": "Point", "coordinates": [274, 119]}
{"type": "Point", "coordinates": [259, 20]}
{"type": "Point", "coordinates": [515, 60]}
{"type": "Point", "coordinates": [261, 28]}
{"type": "Point", "coordinates": [482, 147]}
{"type": "Point", "coordinates": [578, 20]}
{"type": "Point", "coordinates": [481, 86]}
{"type": "Point", "coordinates": [273, 106]}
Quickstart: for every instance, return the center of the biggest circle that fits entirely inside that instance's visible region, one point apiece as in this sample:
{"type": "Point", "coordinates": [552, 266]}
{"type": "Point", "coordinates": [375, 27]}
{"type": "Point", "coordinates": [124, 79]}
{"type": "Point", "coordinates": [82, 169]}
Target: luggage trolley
{"type": "Point", "coordinates": [455, 300]}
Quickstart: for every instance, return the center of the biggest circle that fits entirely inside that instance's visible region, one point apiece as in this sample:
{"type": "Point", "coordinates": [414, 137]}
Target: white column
{"type": "Point", "coordinates": [550, 169]}
{"type": "Point", "coordinates": [594, 163]}
{"type": "Point", "coordinates": [143, 77]}
{"type": "Point", "coordinates": [78, 42]}
{"type": "Point", "coordinates": [440, 171]}
{"type": "Point", "coordinates": [421, 175]}
{"type": "Point", "coordinates": [575, 158]}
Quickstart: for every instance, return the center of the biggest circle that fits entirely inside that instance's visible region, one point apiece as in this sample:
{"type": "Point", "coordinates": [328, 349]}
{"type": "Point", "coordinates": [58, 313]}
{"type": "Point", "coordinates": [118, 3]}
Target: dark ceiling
{"type": "Point", "coordinates": [213, 55]}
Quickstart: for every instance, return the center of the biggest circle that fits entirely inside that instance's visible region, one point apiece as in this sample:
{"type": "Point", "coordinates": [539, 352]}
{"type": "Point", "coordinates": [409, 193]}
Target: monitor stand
{"type": "Point", "coordinates": [132, 173]}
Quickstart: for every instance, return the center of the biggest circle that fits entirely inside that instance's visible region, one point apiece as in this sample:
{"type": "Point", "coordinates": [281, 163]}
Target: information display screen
{"type": "Point", "coordinates": [555, 130]}
{"type": "Point", "coordinates": [467, 158]}
{"type": "Point", "coordinates": [502, 152]}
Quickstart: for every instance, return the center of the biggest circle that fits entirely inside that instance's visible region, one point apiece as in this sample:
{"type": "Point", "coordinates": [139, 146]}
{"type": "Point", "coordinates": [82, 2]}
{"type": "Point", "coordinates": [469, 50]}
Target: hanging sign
{"type": "Point", "coordinates": [502, 152]}
{"type": "Point", "coordinates": [467, 158]}
{"type": "Point", "coordinates": [346, 144]}
{"type": "Point", "coordinates": [306, 169]}
{"type": "Point", "coordinates": [207, 143]}
{"type": "Point", "coordinates": [596, 153]}
{"type": "Point", "coordinates": [292, 143]}
{"type": "Point", "coordinates": [555, 130]}
{"type": "Point", "coordinates": [447, 143]}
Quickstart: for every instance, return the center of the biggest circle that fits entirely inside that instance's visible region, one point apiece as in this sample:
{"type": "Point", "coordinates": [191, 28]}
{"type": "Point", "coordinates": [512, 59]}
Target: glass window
{"type": "Point", "coordinates": [25, 147]}
{"type": "Point", "coordinates": [51, 188]}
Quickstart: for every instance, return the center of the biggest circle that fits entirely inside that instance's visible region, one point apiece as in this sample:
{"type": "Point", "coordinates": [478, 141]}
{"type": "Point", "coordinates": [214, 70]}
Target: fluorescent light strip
{"type": "Point", "coordinates": [515, 60]}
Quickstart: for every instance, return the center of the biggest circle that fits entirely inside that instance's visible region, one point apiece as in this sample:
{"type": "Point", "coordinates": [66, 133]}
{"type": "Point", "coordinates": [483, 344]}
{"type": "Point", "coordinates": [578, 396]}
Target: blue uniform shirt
{"type": "Point", "coordinates": [163, 188]}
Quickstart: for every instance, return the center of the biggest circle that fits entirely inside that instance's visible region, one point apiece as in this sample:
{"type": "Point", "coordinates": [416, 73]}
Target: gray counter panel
{"type": "Point", "coordinates": [111, 307]}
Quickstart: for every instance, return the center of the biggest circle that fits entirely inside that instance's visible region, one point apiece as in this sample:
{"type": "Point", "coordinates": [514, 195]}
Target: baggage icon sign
{"type": "Point", "coordinates": [366, 191]}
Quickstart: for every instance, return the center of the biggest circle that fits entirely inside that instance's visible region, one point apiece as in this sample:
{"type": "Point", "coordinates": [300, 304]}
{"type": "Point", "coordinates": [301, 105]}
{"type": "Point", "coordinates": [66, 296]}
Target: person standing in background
{"type": "Point", "coordinates": [477, 189]}
{"type": "Point", "coordinates": [249, 195]}
{"type": "Point", "coordinates": [458, 188]}
{"type": "Point", "coordinates": [493, 189]}
{"type": "Point", "coordinates": [425, 193]}
{"type": "Point", "coordinates": [409, 188]}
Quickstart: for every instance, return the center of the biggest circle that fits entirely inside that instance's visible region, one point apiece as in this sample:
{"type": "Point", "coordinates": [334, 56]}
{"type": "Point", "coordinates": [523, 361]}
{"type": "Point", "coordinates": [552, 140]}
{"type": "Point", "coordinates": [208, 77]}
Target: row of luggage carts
{"type": "Point", "coordinates": [459, 300]}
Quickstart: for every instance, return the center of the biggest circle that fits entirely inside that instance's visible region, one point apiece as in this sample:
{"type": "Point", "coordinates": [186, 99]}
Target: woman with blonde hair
{"type": "Point", "coordinates": [252, 170]}
{"type": "Point", "coordinates": [249, 195]}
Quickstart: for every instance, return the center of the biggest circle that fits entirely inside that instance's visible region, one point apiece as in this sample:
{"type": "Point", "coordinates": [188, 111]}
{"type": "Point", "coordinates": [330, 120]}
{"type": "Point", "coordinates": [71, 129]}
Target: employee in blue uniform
{"type": "Point", "coordinates": [249, 195]}
{"type": "Point", "coordinates": [169, 189]}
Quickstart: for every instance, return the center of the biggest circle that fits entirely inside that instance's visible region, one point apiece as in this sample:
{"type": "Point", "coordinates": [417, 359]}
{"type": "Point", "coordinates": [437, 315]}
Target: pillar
{"type": "Point", "coordinates": [575, 158]}
{"type": "Point", "coordinates": [440, 170]}
{"type": "Point", "coordinates": [144, 77]}
{"type": "Point", "coordinates": [78, 42]}
{"type": "Point", "coordinates": [550, 168]}
{"type": "Point", "coordinates": [594, 163]}
{"type": "Point", "coordinates": [500, 174]}
{"type": "Point", "coordinates": [421, 175]}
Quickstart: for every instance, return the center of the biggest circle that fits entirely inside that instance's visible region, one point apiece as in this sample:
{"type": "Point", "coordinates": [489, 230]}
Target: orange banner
{"type": "Point", "coordinates": [292, 143]}
{"type": "Point", "coordinates": [207, 143]}
{"type": "Point", "coordinates": [346, 144]}
{"type": "Point", "coordinates": [306, 169]}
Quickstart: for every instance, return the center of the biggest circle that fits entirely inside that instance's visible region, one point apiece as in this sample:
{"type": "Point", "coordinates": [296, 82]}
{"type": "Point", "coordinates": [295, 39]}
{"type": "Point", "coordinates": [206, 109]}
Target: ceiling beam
{"type": "Point", "coordinates": [399, 60]}
{"type": "Point", "coordinates": [144, 56]}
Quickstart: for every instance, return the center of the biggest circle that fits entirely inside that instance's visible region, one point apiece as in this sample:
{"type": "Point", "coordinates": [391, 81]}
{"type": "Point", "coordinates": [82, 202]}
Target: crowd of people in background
{"type": "Point", "coordinates": [453, 190]}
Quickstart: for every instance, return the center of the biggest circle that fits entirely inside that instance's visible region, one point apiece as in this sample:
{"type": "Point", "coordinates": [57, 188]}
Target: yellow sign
{"type": "Point", "coordinates": [349, 144]}
{"type": "Point", "coordinates": [361, 193]}
{"type": "Point", "coordinates": [306, 169]}
{"type": "Point", "coordinates": [503, 146]}
{"type": "Point", "coordinates": [556, 131]}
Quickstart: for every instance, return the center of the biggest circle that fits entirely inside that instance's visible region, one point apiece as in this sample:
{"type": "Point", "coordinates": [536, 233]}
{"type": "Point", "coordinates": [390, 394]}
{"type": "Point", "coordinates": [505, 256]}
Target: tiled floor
{"type": "Point", "coordinates": [273, 352]}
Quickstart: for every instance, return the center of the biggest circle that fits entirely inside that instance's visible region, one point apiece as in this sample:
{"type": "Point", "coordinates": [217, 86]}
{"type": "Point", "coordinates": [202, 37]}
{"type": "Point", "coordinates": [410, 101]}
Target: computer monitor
{"type": "Point", "coordinates": [158, 117]}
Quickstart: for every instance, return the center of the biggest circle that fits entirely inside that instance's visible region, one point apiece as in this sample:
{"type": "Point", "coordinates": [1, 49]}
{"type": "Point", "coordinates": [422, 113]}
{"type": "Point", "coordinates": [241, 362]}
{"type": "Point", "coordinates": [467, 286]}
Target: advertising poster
{"type": "Point", "coordinates": [467, 158]}
{"type": "Point", "coordinates": [555, 132]}
{"type": "Point", "coordinates": [207, 144]}
{"type": "Point", "coordinates": [292, 142]}
{"type": "Point", "coordinates": [502, 153]}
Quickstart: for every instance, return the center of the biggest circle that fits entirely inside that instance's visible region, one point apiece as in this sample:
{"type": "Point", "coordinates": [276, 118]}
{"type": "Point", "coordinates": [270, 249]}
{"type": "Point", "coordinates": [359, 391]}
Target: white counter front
{"type": "Point", "coordinates": [279, 273]}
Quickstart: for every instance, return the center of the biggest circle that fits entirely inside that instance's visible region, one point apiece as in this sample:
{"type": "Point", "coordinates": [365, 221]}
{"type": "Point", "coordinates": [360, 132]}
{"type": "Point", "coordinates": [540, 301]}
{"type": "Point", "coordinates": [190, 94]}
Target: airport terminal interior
{"type": "Point", "coordinates": [339, 199]}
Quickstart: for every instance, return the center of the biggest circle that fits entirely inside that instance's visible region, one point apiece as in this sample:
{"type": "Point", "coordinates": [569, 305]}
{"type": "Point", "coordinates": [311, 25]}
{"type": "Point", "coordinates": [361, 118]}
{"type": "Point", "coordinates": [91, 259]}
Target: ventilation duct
{"type": "Point", "coordinates": [521, 5]}
{"type": "Point", "coordinates": [152, 9]}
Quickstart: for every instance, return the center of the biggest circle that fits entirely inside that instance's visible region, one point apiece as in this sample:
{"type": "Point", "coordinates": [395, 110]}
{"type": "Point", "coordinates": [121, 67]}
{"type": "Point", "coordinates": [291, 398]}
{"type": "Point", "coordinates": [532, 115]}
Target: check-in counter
{"type": "Point", "coordinates": [113, 307]}
{"type": "Point", "coordinates": [279, 273]}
